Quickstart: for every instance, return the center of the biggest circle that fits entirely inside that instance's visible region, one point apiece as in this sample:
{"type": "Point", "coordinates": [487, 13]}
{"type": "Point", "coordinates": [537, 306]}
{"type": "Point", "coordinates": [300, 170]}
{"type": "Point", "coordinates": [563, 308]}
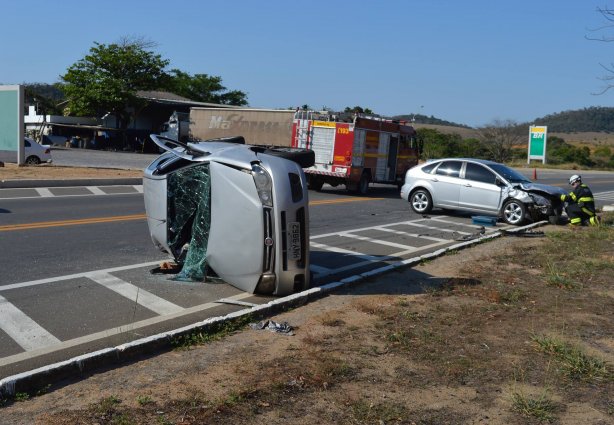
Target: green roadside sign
{"type": "Point", "coordinates": [538, 134]}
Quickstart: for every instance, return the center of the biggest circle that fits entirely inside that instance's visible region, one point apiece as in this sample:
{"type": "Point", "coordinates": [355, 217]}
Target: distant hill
{"type": "Point", "coordinates": [423, 119]}
{"type": "Point", "coordinates": [593, 119]}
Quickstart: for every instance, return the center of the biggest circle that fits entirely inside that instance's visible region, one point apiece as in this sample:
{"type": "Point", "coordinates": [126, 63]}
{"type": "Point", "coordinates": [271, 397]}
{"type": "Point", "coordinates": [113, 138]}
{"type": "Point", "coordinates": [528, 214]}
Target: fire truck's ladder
{"type": "Point", "coordinates": [303, 137]}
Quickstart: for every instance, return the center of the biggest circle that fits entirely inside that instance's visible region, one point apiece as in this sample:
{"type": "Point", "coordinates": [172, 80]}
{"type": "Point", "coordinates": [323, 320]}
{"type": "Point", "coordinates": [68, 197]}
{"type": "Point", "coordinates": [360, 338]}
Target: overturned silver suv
{"type": "Point", "coordinates": [222, 207]}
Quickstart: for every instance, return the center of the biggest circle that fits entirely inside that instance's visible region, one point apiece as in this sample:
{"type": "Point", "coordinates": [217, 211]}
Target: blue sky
{"type": "Point", "coordinates": [469, 62]}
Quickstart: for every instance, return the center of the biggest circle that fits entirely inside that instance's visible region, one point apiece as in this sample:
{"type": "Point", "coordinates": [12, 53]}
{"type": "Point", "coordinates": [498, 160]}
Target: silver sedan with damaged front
{"type": "Point", "coordinates": [483, 187]}
{"type": "Point", "coordinates": [236, 211]}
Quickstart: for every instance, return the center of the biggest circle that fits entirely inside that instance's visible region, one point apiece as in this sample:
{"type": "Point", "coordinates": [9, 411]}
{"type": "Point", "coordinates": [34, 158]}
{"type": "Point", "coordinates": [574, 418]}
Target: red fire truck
{"type": "Point", "coordinates": [355, 151]}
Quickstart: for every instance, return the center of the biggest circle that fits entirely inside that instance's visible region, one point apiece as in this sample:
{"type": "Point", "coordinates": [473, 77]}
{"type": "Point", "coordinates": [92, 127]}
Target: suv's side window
{"type": "Point", "coordinates": [480, 174]}
{"type": "Point", "coordinates": [449, 168]}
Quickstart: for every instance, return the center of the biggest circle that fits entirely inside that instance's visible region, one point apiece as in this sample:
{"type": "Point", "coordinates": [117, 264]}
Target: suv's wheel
{"type": "Point", "coordinates": [421, 201]}
{"type": "Point", "coordinates": [514, 212]}
{"type": "Point", "coordinates": [303, 157]}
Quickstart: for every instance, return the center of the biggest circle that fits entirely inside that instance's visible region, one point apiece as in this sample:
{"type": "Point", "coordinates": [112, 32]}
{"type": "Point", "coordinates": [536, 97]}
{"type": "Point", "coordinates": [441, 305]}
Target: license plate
{"type": "Point", "coordinates": [293, 236]}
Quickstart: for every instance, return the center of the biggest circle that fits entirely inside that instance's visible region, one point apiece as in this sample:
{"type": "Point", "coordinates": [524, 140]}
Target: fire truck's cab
{"type": "Point", "coordinates": [355, 150]}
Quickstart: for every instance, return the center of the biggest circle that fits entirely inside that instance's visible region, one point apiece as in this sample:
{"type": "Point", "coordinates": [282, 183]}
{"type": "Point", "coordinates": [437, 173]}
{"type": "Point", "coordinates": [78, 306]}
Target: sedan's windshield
{"type": "Point", "coordinates": [508, 174]}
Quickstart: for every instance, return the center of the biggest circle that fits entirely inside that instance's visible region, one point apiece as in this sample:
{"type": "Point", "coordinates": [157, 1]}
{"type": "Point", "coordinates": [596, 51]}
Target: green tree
{"type": "Point", "coordinates": [499, 139]}
{"type": "Point", "coordinates": [358, 110]}
{"type": "Point", "coordinates": [108, 78]}
{"type": "Point", "coordinates": [438, 145]}
{"type": "Point", "coordinates": [204, 88]}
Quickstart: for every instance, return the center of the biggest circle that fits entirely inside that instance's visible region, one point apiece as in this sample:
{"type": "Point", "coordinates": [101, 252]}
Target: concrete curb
{"type": "Point", "coordinates": [80, 366]}
{"type": "Point", "coordinates": [18, 184]}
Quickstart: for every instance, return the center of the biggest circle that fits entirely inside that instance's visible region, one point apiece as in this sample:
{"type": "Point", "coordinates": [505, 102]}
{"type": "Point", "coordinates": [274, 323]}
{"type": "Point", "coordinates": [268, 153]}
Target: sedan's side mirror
{"type": "Point", "coordinates": [500, 182]}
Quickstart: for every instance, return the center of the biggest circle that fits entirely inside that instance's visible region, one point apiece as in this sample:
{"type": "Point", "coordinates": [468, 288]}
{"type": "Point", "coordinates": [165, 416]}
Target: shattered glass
{"type": "Point", "coordinates": [189, 220]}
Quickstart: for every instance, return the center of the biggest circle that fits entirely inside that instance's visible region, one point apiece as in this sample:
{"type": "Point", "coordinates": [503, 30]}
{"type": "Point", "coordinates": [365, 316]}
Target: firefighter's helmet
{"type": "Point", "coordinates": [575, 178]}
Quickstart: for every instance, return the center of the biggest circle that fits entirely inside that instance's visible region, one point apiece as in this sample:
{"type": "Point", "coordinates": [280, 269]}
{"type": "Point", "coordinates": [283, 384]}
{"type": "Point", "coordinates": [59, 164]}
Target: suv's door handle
{"type": "Point", "coordinates": [468, 185]}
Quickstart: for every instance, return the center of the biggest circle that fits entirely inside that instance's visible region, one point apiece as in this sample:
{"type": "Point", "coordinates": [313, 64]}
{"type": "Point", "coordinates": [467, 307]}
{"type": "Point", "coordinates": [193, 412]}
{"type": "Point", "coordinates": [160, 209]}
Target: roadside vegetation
{"type": "Point", "coordinates": [521, 335]}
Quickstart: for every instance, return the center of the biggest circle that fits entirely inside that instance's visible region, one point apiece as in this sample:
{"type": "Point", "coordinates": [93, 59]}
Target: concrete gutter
{"type": "Point", "coordinates": [15, 184]}
{"type": "Point", "coordinates": [80, 366]}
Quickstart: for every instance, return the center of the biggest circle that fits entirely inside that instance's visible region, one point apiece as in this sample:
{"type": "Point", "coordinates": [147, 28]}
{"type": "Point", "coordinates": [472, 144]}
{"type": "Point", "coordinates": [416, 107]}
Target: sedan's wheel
{"type": "Point", "coordinates": [514, 212]}
{"type": "Point", "coordinates": [421, 201]}
{"type": "Point", "coordinates": [33, 160]}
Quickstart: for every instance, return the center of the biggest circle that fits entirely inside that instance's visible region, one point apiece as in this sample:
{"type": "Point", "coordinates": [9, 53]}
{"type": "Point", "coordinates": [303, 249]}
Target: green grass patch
{"type": "Point", "coordinates": [575, 363]}
{"type": "Point", "coordinates": [214, 332]}
{"type": "Point", "coordinates": [541, 408]}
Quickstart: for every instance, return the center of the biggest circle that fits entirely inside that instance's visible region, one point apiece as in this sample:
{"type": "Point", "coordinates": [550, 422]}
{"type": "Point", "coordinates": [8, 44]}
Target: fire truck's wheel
{"type": "Point", "coordinates": [303, 157]}
{"type": "Point", "coordinates": [363, 184]}
{"type": "Point", "coordinates": [421, 201]}
{"type": "Point", "coordinates": [315, 183]}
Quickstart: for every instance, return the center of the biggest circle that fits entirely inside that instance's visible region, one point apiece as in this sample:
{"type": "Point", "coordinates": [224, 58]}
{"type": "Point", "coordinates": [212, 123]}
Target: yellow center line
{"type": "Point", "coordinates": [95, 220]}
{"type": "Point", "coordinates": [43, 224]}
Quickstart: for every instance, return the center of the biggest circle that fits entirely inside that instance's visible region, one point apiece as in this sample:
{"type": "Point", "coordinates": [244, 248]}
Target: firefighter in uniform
{"type": "Point", "coordinates": [580, 203]}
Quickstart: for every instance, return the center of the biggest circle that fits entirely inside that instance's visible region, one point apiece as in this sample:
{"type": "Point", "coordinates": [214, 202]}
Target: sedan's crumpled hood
{"type": "Point", "coordinates": [543, 188]}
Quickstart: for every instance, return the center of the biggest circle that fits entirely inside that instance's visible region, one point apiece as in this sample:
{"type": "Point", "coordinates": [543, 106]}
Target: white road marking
{"type": "Point", "coordinates": [74, 276]}
{"type": "Point", "coordinates": [412, 223]}
{"type": "Point", "coordinates": [23, 330]}
{"type": "Point", "coordinates": [131, 327]}
{"type": "Point", "coordinates": [318, 270]}
{"type": "Point", "coordinates": [376, 241]}
{"type": "Point", "coordinates": [350, 252]}
{"type": "Point", "coordinates": [414, 235]}
{"type": "Point", "coordinates": [134, 293]}
{"type": "Point", "coordinates": [604, 196]}
{"type": "Point", "coordinates": [44, 192]}
{"type": "Point", "coordinates": [95, 190]}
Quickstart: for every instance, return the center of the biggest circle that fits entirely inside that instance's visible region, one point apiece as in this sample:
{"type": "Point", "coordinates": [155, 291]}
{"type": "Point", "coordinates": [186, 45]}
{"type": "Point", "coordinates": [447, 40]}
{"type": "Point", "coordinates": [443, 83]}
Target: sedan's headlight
{"type": "Point", "coordinates": [264, 185]}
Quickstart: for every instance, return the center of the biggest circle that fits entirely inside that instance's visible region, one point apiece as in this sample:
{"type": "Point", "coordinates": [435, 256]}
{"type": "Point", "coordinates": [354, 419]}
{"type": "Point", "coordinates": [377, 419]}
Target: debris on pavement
{"type": "Point", "coordinates": [523, 233]}
{"type": "Point", "coordinates": [166, 267]}
{"type": "Point", "coordinates": [283, 328]}
{"type": "Point", "coordinates": [477, 234]}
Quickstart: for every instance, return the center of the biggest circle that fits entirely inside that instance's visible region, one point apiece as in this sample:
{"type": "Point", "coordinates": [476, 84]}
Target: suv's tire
{"type": "Point", "coordinates": [421, 201]}
{"type": "Point", "coordinates": [303, 157]}
{"type": "Point", "coordinates": [513, 212]}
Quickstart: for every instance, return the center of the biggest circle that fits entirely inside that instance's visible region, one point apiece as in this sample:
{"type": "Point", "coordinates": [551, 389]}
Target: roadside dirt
{"type": "Point", "coordinates": [474, 337]}
{"type": "Point", "coordinates": [52, 172]}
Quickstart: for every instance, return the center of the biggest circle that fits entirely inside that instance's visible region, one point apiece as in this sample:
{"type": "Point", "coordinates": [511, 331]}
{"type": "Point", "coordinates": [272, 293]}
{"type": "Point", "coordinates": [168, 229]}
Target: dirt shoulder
{"type": "Point", "coordinates": [53, 172]}
{"type": "Point", "coordinates": [512, 331]}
